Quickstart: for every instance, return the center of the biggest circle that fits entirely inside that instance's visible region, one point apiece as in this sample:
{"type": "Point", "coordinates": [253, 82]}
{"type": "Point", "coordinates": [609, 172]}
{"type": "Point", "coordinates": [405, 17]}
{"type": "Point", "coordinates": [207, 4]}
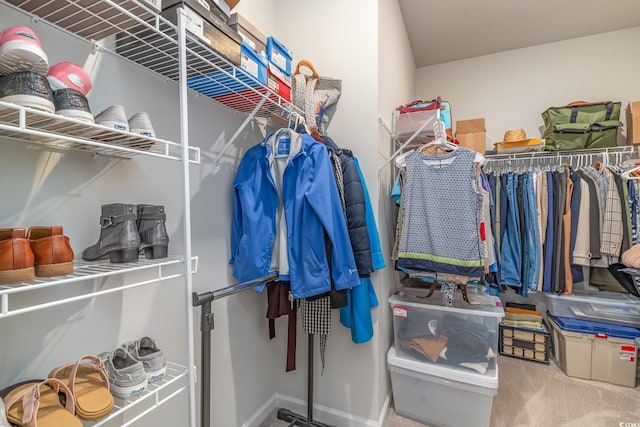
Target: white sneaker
{"type": "Point", "coordinates": [127, 377]}
{"type": "Point", "coordinates": [140, 123]}
{"type": "Point", "coordinates": [113, 117]}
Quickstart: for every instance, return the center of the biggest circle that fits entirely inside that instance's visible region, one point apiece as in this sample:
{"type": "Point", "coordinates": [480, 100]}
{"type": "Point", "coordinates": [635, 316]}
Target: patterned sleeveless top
{"type": "Point", "coordinates": [441, 231]}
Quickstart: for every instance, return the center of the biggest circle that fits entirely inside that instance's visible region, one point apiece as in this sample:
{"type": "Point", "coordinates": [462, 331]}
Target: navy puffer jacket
{"type": "Point", "coordinates": [355, 209]}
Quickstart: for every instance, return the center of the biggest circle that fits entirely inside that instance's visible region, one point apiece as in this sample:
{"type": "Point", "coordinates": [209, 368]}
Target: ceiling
{"type": "Point", "coordinates": [447, 30]}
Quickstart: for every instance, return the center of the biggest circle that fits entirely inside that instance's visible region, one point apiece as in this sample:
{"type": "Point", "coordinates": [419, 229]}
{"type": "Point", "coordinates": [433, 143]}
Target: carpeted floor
{"type": "Point", "coordinates": [538, 395]}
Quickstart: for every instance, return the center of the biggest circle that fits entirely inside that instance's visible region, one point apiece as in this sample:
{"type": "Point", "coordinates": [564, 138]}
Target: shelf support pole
{"type": "Point", "coordinates": [184, 141]}
{"type": "Point", "coordinates": [216, 160]}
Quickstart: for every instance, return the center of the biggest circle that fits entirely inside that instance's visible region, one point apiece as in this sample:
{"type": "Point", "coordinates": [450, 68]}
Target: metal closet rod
{"type": "Point", "coordinates": [206, 326]}
{"type": "Point", "coordinates": [203, 298]}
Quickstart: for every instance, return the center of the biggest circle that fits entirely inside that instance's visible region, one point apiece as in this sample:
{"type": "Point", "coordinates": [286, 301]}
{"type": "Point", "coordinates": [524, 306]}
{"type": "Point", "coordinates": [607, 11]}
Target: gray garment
{"type": "Point", "coordinates": [441, 230]}
{"type": "Point", "coordinates": [594, 217]}
{"type": "Point", "coordinates": [601, 259]}
{"type": "Point", "coordinates": [582, 251]}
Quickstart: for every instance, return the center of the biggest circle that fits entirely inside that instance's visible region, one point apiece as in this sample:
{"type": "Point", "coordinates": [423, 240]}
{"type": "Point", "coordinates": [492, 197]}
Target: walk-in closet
{"type": "Point", "coordinates": [265, 213]}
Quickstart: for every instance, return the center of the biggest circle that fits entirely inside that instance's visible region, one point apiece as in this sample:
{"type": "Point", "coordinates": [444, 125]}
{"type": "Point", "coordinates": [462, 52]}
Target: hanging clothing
{"type": "Point", "coordinates": [511, 242]}
{"type": "Point", "coordinates": [311, 207]}
{"type": "Point", "coordinates": [316, 320]}
{"type": "Point", "coordinates": [278, 304]}
{"type": "Point", "coordinates": [354, 206]}
{"type": "Point", "coordinates": [361, 299]}
{"type": "Point", "coordinates": [441, 223]}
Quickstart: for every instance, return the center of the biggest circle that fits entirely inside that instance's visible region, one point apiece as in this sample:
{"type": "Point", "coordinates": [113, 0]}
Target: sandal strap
{"type": "Point", "coordinates": [31, 400]}
{"type": "Point", "coordinates": [98, 366]}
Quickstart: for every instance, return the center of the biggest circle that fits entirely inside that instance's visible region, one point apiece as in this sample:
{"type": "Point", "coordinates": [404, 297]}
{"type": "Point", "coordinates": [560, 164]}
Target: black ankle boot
{"type": "Point", "coordinates": [119, 238]}
{"type": "Point", "coordinates": [154, 239]}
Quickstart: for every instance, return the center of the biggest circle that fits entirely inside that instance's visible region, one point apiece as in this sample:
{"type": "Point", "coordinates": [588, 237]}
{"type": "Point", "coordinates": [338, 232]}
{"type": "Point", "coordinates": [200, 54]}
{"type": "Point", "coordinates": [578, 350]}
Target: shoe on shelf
{"type": "Point", "coordinates": [113, 117]}
{"type": "Point", "coordinates": [140, 123]}
{"type": "Point", "coordinates": [38, 403]}
{"type": "Point", "coordinates": [27, 88]}
{"type": "Point", "coordinates": [154, 239]}
{"type": "Point", "coordinates": [127, 377]}
{"type": "Point", "coordinates": [146, 350]}
{"type": "Point", "coordinates": [21, 50]}
{"type": "Point", "coordinates": [65, 75]}
{"type": "Point", "coordinates": [51, 250]}
{"type": "Point", "coordinates": [16, 257]}
{"type": "Point", "coordinates": [89, 382]}
{"type": "Point", "coordinates": [119, 239]}
{"type": "Point", "coordinates": [73, 104]}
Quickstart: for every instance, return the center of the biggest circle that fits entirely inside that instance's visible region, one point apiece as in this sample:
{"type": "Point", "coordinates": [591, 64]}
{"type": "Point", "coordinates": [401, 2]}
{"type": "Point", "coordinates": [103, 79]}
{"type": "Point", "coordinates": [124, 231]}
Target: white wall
{"type": "Point", "coordinates": [511, 89]}
{"type": "Point", "coordinates": [396, 86]}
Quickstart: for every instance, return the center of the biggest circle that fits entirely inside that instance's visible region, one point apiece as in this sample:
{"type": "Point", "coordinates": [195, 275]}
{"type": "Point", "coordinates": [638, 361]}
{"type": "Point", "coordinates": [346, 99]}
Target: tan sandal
{"type": "Point", "coordinates": [41, 405]}
{"type": "Point", "coordinates": [89, 383]}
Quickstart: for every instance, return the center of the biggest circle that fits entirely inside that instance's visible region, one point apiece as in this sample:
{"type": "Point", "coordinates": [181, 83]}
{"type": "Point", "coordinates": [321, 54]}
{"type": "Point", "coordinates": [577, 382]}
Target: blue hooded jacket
{"type": "Point", "coordinates": [312, 207]}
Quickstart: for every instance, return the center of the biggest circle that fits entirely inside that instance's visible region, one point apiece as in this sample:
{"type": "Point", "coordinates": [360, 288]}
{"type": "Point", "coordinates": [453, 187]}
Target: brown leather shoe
{"type": "Point", "coordinates": [16, 257]}
{"type": "Point", "coordinates": [52, 251]}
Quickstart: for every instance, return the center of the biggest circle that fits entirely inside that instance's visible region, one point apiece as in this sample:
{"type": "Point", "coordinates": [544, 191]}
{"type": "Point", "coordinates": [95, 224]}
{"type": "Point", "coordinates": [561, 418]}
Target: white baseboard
{"type": "Point", "coordinates": [320, 413]}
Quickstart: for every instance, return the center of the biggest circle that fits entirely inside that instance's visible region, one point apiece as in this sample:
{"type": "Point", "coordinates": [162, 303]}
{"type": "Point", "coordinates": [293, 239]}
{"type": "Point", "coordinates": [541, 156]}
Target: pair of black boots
{"type": "Point", "coordinates": [127, 230]}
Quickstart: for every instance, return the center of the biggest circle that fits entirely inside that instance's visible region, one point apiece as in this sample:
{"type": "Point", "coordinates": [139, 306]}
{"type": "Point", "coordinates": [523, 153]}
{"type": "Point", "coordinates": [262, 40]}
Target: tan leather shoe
{"type": "Point", "coordinates": [16, 257]}
{"type": "Point", "coordinates": [52, 251]}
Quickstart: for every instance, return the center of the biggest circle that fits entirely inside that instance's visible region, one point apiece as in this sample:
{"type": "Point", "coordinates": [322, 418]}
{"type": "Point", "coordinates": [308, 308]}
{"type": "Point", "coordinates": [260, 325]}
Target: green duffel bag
{"type": "Point", "coordinates": [581, 125]}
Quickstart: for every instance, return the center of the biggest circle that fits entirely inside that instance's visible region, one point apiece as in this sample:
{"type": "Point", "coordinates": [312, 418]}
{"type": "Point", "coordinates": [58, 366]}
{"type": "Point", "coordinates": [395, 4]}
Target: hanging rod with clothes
{"type": "Point", "coordinates": [575, 158]}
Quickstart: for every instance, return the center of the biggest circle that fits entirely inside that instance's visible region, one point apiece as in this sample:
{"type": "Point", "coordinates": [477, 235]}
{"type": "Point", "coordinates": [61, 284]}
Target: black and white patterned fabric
{"type": "Point", "coordinates": [448, 289]}
{"type": "Point", "coordinates": [316, 320]}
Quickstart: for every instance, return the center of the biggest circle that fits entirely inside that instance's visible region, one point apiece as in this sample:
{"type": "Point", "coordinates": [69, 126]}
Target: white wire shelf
{"type": "Point", "coordinates": [566, 155]}
{"type": "Point", "coordinates": [54, 131]}
{"type": "Point", "coordinates": [39, 297]}
{"type": "Point", "coordinates": [158, 392]}
{"type": "Point", "coordinates": [132, 30]}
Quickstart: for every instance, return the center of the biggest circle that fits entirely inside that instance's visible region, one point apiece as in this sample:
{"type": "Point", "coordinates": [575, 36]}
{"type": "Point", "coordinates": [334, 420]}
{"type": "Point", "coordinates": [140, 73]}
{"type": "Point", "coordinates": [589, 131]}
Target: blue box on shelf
{"type": "Point", "coordinates": [279, 55]}
{"type": "Point", "coordinates": [253, 74]}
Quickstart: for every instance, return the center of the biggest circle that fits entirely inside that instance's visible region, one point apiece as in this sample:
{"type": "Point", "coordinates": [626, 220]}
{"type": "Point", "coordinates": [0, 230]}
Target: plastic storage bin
{"type": "Point", "coordinates": [607, 307]}
{"type": "Point", "coordinates": [279, 55]}
{"type": "Point", "coordinates": [595, 351]}
{"type": "Point", "coordinates": [439, 395]}
{"type": "Point", "coordinates": [525, 343]}
{"type": "Point", "coordinates": [464, 336]}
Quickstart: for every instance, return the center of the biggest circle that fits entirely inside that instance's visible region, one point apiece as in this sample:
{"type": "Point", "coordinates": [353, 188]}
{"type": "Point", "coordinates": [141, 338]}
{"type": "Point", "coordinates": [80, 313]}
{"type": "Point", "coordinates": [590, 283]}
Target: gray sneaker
{"type": "Point", "coordinates": [127, 377]}
{"type": "Point", "coordinates": [140, 123]}
{"type": "Point", "coordinates": [146, 351]}
{"type": "Point", "coordinates": [113, 117]}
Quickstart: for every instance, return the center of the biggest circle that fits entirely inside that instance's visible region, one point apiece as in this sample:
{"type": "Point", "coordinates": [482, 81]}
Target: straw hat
{"type": "Point", "coordinates": [518, 137]}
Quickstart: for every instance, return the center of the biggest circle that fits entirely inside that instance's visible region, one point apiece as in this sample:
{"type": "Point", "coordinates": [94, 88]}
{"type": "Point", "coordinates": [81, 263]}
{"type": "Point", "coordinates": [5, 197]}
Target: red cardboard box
{"type": "Point", "coordinates": [279, 82]}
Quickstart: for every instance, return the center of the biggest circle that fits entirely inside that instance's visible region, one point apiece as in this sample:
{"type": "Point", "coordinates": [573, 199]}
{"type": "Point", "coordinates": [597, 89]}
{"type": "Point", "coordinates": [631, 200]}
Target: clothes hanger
{"type": "Point", "coordinates": [630, 174]}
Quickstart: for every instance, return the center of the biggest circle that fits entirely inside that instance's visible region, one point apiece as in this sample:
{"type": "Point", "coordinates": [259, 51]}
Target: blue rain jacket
{"type": "Point", "coordinates": [312, 207]}
{"type": "Point", "coordinates": [357, 314]}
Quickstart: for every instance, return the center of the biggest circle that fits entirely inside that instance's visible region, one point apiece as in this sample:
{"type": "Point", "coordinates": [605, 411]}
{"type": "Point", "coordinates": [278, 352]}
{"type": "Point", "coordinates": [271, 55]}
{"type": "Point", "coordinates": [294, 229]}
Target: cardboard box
{"type": "Point", "coordinates": [472, 134]}
{"type": "Point", "coordinates": [279, 82]}
{"type": "Point", "coordinates": [218, 35]}
{"type": "Point", "coordinates": [633, 123]}
{"type": "Point", "coordinates": [249, 33]}
{"type": "Point", "coordinates": [223, 6]}
{"type": "Point", "coordinates": [205, 8]}
{"type": "Point", "coordinates": [90, 19]}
